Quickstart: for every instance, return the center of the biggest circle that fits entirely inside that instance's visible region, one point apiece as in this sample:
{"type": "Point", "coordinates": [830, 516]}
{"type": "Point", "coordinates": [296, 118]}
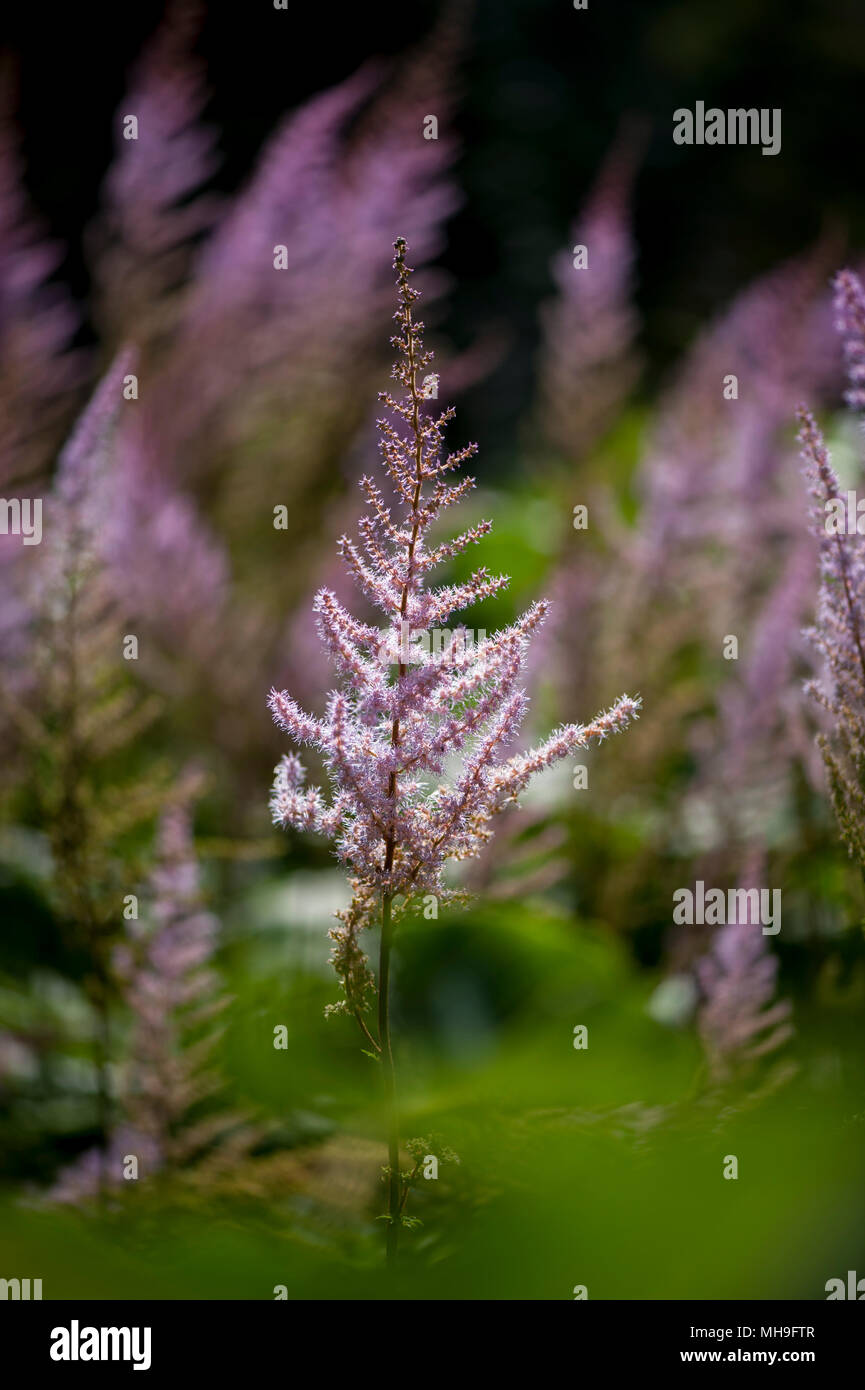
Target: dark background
{"type": "Point", "coordinates": [543, 89]}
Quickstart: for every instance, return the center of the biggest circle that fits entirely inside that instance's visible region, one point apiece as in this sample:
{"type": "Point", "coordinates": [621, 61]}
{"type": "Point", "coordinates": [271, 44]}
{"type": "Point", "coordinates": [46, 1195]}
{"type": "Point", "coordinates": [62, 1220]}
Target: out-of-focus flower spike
{"type": "Point", "coordinates": [588, 360]}
{"type": "Point", "coordinates": [82, 460]}
{"type": "Point", "coordinates": [38, 371]}
{"type": "Point", "coordinates": [737, 1020]}
{"type": "Point", "coordinates": [850, 312]}
{"type": "Point", "coordinates": [153, 208]}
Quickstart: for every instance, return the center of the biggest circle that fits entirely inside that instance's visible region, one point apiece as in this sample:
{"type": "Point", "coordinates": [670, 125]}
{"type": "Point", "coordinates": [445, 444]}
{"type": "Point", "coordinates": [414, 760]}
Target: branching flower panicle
{"type": "Point", "coordinates": [403, 716]}
{"type": "Point", "coordinates": [838, 633]}
{"type": "Point", "coordinates": [387, 736]}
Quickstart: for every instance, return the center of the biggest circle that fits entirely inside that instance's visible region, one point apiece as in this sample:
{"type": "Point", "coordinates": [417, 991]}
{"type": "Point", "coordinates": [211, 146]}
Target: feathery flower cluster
{"type": "Point", "coordinates": [838, 633]}
{"type": "Point", "coordinates": [850, 322]}
{"type": "Point", "coordinates": [385, 738]}
{"type": "Point", "coordinates": [153, 210]}
{"type": "Point", "coordinates": [80, 703]}
{"type": "Point", "coordinates": [746, 771]}
{"type": "Point", "coordinates": [737, 1021]}
{"type": "Point", "coordinates": [588, 362]}
{"type": "Point", "coordinates": [711, 552]}
{"type": "Point", "coordinates": [78, 713]}
{"type": "Point", "coordinates": [714, 464]}
{"type": "Point", "coordinates": [38, 372]}
{"type": "Point", "coordinates": [349, 157]}
{"type": "Point", "coordinates": [97, 1169]}
{"type": "Point", "coordinates": [257, 324]}
{"type": "Point", "coordinates": [172, 992]}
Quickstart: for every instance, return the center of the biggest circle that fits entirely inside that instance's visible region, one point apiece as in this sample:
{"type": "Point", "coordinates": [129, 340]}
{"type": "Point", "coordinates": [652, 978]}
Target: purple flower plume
{"type": "Point", "coordinates": [153, 209]}
{"type": "Point", "coordinates": [716, 529]}
{"type": "Point", "coordinates": [838, 633]}
{"type": "Point", "coordinates": [714, 464]}
{"type": "Point", "coordinates": [38, 583]}
{"type": "Point", "coordinates": [588, 363]}
{"type": "Point", "coordinates": [738, 1020]}
{"type": "Point", "coordinates": [173, 994]}
{"type": "Point", "coordinates": [415, 742]}
{"type": "Point", "coordinates": [38, 372]}
{"type": "Point", "coordinates": [850, 321]}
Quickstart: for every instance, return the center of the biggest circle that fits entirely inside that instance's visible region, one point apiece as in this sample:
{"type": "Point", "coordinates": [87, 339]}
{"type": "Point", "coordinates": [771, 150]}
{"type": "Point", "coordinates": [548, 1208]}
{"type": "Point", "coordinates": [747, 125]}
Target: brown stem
{"type": "Point", "coordinates": [393, 1193]}
{"type": "Point", "coordinates": [407, 1184]}
{"type": "Point", "coordinates": [842, 556]}
{"type": "Point", "coordinates": [394, 1204]}
{"type": "Point", "coordinates": [363, 1028]}
{"type": "Point", "coordinates": [101, 1054]}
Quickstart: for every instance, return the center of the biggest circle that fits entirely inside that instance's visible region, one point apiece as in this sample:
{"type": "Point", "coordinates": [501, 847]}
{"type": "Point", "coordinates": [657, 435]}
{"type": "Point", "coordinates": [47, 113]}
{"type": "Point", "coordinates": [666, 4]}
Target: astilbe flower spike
{"type": "Point", "coordinates": [850, 322]}
{"type": "Point", "coordinates": [740, 1020]}
{"type": "Point", "coordinates": [401, 715]}
{"type": "Point", "coordinates": [838, 633]}
{"type": "Point", "coordinates": [39, 370]}
{"type": "Point", "coordinates": [174, 995]}
{"type": "Point", "coordinates": [153, 211]}
{"type": "Point", "coordinates": [80, 710]}
{"type": "Point", "coordinates": [164, 967]}
{"type": "Point", "coordinates": [588, 360]}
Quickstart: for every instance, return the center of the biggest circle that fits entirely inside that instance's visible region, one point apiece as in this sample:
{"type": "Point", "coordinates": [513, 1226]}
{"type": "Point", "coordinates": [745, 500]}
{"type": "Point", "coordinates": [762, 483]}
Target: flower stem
{"type": "Point", "coordinates": [101, 1055]}
{"type": "Point", "coordinates": [393, 1193]}
{"type": "Point", "coordinates": [394, 1197]}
